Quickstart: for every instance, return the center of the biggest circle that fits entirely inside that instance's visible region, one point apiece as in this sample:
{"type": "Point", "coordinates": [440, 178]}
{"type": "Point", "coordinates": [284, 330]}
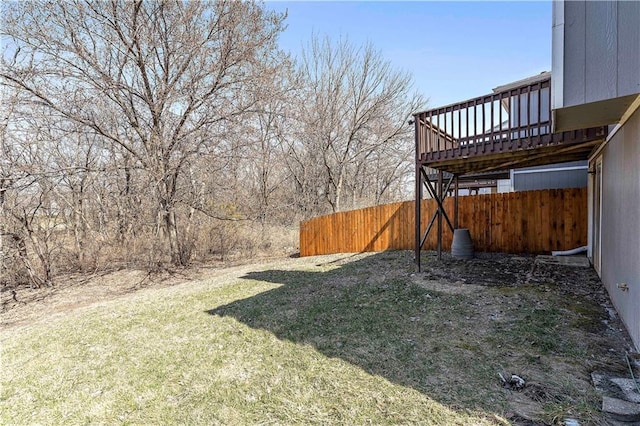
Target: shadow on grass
{"type": "Point", "coordinates": [369, 313]}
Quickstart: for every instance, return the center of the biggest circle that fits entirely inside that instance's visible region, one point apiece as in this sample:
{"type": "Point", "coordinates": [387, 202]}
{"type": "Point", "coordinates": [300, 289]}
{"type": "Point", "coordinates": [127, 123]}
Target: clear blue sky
{"type": "Point", "coordinates": [455, 50]}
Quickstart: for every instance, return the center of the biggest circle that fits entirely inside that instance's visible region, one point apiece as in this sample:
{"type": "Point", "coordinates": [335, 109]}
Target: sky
{"type": "Point", "coordinates": [454, 50]}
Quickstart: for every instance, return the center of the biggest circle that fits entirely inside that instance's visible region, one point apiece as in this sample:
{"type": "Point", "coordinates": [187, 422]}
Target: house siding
{"type": "Point", "coordinates": [574, 55]}
{"type": "Point", "coordinates": [621, 222]}
{"type": "Point", "coordinates": [601, 51]}
{"type": "Point", "coordinates": [554, 176]}
{"type": "Point", "coordinates": [629, 47]}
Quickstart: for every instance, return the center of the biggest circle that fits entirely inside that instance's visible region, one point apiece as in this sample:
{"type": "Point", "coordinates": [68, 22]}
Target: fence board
{"type": "Point", "coordinates": [517, 222]}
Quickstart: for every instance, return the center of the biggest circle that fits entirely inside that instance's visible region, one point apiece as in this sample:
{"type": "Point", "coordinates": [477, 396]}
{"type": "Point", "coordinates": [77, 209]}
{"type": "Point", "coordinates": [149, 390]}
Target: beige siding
{"type": "Point", "coordinates": [600, 51]}
{"type": "Point", "coordinates": [629, 47]}
{"type": "Point", "coordinates": [621, 222]}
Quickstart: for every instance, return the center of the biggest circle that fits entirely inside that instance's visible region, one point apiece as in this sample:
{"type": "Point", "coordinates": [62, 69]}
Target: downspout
{"type": "Point", "coordinates": [571, 252]}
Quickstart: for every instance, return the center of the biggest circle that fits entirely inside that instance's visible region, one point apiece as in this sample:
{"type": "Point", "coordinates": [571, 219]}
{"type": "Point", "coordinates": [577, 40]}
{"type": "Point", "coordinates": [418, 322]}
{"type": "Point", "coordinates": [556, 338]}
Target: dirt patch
{"type": "Point", "coordinates": [458, 287]}
{"type": "Point", "coordinates": [562, 301]}
{"type": "Point", "coordinates": [23, 305]}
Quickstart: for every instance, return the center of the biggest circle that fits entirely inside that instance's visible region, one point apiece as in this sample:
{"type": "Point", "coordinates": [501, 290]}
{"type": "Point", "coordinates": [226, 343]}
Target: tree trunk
{"type": "Point", "coordinates": [168, 228]}
{"type": "Point", "coordinates": [338, 193]}
{"type": "Point", "coordinates": [79, 231]}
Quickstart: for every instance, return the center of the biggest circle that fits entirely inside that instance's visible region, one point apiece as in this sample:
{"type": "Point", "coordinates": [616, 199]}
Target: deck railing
{"type": "Point", "coordinates": [516, 118]}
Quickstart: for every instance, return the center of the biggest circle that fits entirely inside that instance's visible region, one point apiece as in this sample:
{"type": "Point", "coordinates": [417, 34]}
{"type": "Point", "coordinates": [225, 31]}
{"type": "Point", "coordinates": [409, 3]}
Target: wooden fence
{"type": "Point", "coordinates": [514, 222]}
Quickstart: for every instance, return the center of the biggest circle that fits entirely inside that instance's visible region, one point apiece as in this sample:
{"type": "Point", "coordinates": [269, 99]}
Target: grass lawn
{"type": "Point", "coordinates": [360, 340]}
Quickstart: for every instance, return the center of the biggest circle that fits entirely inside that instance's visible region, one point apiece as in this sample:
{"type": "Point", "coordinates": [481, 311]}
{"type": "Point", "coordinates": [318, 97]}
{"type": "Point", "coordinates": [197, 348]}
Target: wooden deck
{"type": "Point", "coordinates": [507, 129]}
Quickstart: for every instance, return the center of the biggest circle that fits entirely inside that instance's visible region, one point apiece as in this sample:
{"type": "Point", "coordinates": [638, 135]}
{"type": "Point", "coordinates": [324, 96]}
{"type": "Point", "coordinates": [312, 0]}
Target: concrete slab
{"type": "Point", "coordinates": [617, 387]}
{"type": "Point", "coordinates": [575, 261]}
{"type": "Point", "coordinates": [621, 410]}
{"type": "Point", "coordinates": [628, 388]}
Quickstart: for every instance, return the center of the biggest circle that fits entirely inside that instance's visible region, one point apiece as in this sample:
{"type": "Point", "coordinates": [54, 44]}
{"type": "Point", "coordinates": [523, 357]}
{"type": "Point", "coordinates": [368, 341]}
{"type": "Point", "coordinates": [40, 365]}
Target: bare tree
{"type": "Point", "coordinates": [353, 109]}
{"type": "Point", "coordinates": [28, 211]}
{"type": "Point", "coordinates": [161, 81]}
{"type": "Point", "coordinates": [140, 132]}
{"type": "Point", "coordinates": [268, 131]}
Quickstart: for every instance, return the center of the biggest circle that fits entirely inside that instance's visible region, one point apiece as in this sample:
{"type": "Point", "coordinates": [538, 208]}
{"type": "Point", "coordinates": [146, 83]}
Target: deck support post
{"type": "Point", "coordinates": [433, 192]}
{"type": "Point", "coordinates": [455, 203]}
{"type": "Point", "coordinates": [440, 211]}
{"type": "Point", "coordinates": [419, 183]}
{"type": "Point", "coordinates": [418, 242]}
{"type": "Point", "coordinates": [438, 193]}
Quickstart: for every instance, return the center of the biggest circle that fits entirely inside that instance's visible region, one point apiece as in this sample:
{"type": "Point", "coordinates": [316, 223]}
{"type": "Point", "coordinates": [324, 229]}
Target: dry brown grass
{"type": "Point", "coordinates": [344, 339]}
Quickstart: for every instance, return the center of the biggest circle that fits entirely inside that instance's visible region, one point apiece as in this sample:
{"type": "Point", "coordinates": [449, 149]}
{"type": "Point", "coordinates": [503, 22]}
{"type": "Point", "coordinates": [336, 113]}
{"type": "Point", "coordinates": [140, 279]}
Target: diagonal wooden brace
{"type": "Point", "coordinates": [432, 192]}
{"type": "Point", "coordinates": [431, 222]}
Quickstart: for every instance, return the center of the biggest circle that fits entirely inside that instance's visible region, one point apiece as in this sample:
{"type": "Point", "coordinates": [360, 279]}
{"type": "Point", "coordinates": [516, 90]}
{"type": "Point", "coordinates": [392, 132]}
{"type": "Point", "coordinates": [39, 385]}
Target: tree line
{"type": "Point", "coordinates": [155, 133]}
